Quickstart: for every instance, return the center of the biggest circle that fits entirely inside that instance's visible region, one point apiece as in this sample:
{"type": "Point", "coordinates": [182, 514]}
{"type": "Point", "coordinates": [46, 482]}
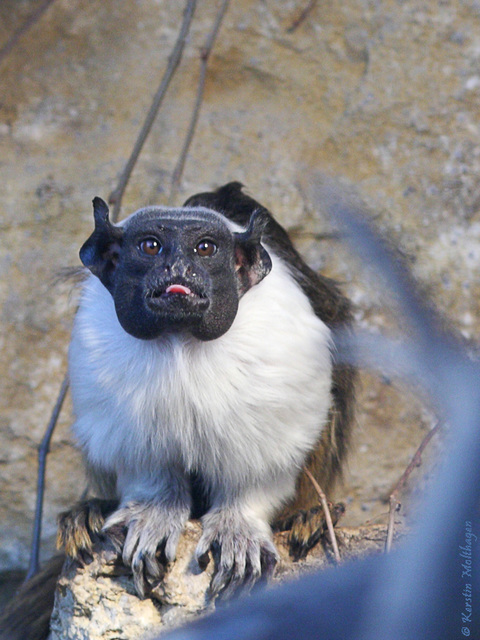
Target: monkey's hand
{"type": "Point", "coordinates": [242, 549]}
{"type": "Point", "coordinates": [80, 527]}
{"type": "Point", "coordinates": [149, 534]}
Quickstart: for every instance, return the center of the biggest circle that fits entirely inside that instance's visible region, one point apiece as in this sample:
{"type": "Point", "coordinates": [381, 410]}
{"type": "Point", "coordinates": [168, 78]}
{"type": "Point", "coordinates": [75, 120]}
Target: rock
{"type": "Point", "coordinates": [97, 604]}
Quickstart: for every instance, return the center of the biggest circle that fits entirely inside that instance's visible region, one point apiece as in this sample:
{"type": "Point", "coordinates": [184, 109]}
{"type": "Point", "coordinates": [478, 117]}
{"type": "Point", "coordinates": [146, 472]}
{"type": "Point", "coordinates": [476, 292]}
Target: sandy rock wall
{"type": "Point", "coordinates": [381, 97]}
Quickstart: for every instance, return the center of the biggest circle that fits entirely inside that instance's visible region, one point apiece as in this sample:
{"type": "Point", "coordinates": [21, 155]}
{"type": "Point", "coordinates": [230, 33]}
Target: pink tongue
{"type": "Point", "coordinates": [178, 288]}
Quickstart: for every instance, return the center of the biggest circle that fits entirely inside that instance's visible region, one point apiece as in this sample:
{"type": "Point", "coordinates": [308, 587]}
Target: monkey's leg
{"type": "Point", "coordinates": [151, 516]}
{"type": "Point", "coordinates": [303, 516]}
{"type": "Point", "coordinates": [307, 527]}
{"type": "Point", "coordinates": [81, 526]}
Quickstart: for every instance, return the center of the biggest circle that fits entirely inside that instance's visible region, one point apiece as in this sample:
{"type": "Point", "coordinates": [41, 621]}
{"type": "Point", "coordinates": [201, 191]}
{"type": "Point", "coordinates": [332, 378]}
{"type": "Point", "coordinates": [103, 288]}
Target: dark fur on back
{"type": "Point", "coordinates": [332, 308]}
{"type": "Point", "coordinates": [27, 616]}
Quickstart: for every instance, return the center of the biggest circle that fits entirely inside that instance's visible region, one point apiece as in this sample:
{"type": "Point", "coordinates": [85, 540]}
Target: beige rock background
{"type": "Point", "coordinates": [380, 96]}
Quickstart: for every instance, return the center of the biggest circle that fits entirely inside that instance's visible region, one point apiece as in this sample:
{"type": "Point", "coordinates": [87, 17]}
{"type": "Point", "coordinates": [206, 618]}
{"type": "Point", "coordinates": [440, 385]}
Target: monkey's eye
{"type": "Point", "coordinates": [205, 248]}
{"type": "Point", "coordinates": [150, 246]}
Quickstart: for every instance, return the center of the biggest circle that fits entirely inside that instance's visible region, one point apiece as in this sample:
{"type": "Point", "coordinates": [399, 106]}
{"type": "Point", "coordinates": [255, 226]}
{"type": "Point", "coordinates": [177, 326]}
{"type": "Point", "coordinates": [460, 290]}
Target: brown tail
{"type": "Point", "coordinates": [27, 616]}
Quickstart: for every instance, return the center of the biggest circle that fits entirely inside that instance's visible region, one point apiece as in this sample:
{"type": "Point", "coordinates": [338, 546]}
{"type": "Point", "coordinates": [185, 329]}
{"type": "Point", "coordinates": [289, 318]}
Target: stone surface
{"type": "Point", "coordinates": [380, 96]}
{"type": "Point", "coordinates": [95, 603]}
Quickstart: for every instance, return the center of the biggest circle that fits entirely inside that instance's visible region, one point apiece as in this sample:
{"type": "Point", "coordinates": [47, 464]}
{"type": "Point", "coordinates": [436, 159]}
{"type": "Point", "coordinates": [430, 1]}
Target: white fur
{"type": "Point", "coordinates": [244, 410]}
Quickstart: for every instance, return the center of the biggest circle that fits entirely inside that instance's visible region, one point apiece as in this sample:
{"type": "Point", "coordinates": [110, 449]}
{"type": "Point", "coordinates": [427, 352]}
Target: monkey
{"type": "Point", "coordinates": [204, 383]}
{"type": "Point", "coordinates": [203, 379]}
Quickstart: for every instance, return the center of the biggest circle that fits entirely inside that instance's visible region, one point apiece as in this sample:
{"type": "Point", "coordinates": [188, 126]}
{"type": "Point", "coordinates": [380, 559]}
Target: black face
{"type": "Point", "coordinates": [175, 270]}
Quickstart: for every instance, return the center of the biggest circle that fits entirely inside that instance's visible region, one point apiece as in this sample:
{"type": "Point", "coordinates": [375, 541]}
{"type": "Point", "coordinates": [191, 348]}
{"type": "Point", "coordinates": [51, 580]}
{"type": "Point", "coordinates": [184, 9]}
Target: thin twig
{"type": "Point", "coordinates": [43, 450]}
{"type": "Point", "coordinates": [28, 24]}
{"type": "Point", "coordinates": [394, 508]}
{"type": "Point", "coordinates": [297, 233]}
{"type": "Point", "coordinates": [416, 461]}
{"type": "Point", "coordinates": [115, 198]}
{"type": "Point", "coordinates": [204, 56]}
{"type": "Point", "coordinates": [328, 517]}
{"type": "Point", "coordinates": [303, 15]}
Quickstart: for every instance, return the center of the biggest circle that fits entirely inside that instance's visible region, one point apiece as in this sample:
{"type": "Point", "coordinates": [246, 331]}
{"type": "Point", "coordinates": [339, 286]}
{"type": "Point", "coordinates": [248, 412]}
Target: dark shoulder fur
{"type": "Point", "coordinates": [327, 301]}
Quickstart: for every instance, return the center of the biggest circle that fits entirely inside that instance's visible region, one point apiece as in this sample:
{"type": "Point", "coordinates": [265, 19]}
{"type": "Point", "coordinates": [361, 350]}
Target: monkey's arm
{"type": "Point", "coordinates": [144, 526]}
{"type": "Point", "coordinates": [238, 533]}
{"type": "Point", "coordinates": [149, 521]}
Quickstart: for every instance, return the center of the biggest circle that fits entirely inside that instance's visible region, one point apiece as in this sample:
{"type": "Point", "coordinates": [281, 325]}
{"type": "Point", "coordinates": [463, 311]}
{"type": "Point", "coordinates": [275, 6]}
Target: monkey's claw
{"type": "Point", "coordinates": [152, 534]}
{"type": "Point", "coordinates": [243, 553]}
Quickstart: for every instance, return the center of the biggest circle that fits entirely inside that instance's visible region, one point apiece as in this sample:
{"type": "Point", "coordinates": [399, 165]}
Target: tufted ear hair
{"type": "Point", "coordinates": [101, 251]}
{"type": "Point", "coordinates": [252, 260]}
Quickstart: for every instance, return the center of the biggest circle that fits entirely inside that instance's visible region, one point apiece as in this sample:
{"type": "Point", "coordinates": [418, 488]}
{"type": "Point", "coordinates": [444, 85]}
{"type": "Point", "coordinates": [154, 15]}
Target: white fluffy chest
{"type": "Point", "coordinates": [244, 405]}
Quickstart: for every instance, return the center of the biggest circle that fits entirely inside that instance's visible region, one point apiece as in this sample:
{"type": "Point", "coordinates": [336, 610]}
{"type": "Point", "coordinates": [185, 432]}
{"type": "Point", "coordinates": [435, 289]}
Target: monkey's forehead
{"type": "Point", "coordinates": [178, 215]}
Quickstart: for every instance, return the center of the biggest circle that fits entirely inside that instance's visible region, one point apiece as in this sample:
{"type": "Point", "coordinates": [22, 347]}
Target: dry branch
{"type": "Point", "coordinates": [301, 17]}
{"type": "Point", "coordinates": [395, 505]}
{"type": "Point", "coordinates": [204, 56]}
{"type": "Point", "coordinates": [26, 26]}
{"type": "Point", "coordinates": [115, 198]}
{"type": "Point", "coordinates": [328, 516]}
{"type": "Point", "coordinates": [43, 450]}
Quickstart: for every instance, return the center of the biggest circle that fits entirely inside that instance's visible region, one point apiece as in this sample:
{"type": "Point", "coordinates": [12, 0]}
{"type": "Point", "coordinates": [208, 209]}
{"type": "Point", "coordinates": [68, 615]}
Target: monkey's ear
{"type": "Point", "coordinates": [100, 252]}
{"type": "Point", "coordinates": [252, 260]}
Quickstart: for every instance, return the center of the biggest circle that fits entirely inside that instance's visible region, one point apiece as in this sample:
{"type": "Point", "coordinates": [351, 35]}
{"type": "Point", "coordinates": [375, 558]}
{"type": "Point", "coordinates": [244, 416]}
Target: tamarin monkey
{"type": "Point", "coordinates": [204, 381]}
